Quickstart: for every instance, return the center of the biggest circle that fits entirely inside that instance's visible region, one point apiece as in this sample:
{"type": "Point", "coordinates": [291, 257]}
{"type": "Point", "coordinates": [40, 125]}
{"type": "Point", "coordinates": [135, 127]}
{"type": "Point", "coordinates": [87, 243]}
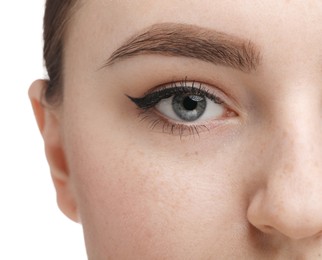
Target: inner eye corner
{"type": "Point", "coordinates": [231, 113]}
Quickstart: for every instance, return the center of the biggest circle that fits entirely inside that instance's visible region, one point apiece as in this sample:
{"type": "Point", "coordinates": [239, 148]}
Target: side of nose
{"type": "Point", "coordinates": [289, 202]}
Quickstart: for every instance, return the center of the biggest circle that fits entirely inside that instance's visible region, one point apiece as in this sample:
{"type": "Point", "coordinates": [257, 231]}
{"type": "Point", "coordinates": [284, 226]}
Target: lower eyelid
{"type": "Point", "coordinates": [165, 126]}
{"type": "Point", "coordinates": [159, 124]}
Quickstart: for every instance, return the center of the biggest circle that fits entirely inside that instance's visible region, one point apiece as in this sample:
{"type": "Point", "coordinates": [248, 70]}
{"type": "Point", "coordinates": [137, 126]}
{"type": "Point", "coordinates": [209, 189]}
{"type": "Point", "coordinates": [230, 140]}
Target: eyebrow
{"type": "Point", "coordinates": [182, 40]}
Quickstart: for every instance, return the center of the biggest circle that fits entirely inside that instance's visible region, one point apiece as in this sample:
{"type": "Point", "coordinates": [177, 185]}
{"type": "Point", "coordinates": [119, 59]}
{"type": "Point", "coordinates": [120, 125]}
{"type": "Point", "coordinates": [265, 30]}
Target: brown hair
{"type": "Point", "coordinates": [57, 15]}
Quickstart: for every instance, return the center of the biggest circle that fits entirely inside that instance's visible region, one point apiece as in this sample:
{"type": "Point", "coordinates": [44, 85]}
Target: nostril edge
{"type": "Point", "coordinates": [318, 236]}
{"type": "Point", "coordinates": [267, 229]}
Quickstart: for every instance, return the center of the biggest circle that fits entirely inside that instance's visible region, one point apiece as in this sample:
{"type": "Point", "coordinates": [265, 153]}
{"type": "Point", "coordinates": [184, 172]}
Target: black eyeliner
{"type": "Point", "coordinates": [151, 99]}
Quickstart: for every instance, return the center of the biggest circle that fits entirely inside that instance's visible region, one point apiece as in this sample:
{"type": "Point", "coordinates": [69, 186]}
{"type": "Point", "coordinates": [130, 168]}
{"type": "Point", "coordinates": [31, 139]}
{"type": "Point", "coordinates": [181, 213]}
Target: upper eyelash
{"type": "Point", "coordinates": [149, 100]}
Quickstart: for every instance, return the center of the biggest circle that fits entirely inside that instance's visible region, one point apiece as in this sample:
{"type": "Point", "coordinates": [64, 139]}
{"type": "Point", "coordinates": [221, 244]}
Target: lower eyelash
{"type": "Point", "coordinates": [170, 127]}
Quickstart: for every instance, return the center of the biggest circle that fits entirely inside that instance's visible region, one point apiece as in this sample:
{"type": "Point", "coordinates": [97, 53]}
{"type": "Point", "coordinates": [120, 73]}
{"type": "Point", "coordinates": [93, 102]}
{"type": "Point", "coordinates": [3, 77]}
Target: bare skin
{"type": "Point", "coordinates": [244, 184]}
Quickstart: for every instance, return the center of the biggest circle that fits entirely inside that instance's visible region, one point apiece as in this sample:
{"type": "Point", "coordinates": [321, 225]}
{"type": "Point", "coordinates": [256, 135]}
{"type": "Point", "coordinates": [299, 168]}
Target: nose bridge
{"type": "Point", "coordinates": [295, 147]}
{"type": "Point", "coordinates": [297, 135]}
{"type": "Point", "coordinates": [294, 177]}
{"type": "Point", "coordinates": [295, 173]}
{"type": "Point", "coordinates": [290, 202]}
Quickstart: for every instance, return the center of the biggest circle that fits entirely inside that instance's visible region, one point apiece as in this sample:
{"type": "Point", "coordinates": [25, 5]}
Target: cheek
{"type": "Point", "coordinates": [146, 201]}
{"type": "Point", "coordinates": [130, 197]}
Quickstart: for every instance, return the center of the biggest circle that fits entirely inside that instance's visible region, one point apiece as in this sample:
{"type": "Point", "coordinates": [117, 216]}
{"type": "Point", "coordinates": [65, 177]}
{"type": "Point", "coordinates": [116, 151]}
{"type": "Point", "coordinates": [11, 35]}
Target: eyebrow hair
{"type": "Point", "coordinates": [171, 39]}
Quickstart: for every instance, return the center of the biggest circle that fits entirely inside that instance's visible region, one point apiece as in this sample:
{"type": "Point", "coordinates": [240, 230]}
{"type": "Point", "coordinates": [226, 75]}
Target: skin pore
{"type": "Point", "coordinates": [243, 182]}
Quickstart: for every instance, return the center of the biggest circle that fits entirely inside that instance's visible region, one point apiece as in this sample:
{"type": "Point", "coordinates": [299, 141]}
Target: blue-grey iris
{"type": "Point", "coordinates": [189, 107]}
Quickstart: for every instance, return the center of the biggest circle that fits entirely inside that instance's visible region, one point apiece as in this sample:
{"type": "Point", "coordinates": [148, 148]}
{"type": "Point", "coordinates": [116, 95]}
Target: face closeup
{"type": "Point", "coordinates": [191, 129]}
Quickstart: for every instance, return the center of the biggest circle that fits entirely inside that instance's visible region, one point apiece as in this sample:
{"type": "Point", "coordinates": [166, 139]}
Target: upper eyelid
{"type": "Point", "coordinates": [174, 88]}
{"type": "Point", "coordinates": [176, 84]}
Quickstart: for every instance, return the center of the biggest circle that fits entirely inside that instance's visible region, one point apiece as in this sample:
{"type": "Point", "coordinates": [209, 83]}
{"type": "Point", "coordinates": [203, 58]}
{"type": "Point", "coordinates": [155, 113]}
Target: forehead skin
{"type": "Point", "coordinates": [265, 22]}
{"type": "Point", "coordinates": [179, 196]}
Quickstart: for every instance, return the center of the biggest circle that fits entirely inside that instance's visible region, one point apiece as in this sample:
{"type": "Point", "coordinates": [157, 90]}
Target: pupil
{"type": "Point", "coordinates": [189, 107]}
{"type": "Point", "coordinates": [189, 104]}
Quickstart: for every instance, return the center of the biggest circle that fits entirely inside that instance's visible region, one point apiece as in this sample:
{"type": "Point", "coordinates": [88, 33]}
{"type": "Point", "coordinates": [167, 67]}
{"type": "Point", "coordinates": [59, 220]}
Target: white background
{"type": "Point", "coordinates": [31, 225]}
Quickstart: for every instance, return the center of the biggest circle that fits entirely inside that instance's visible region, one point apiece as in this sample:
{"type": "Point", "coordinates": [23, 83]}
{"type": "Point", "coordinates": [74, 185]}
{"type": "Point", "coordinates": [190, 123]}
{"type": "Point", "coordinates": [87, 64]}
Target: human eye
{"type": "Point", "coordinates": [184, 107]}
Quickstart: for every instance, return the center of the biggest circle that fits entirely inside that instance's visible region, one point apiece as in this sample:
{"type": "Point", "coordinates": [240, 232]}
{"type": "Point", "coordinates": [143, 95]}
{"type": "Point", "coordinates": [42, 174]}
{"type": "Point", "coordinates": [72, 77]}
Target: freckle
{"type": "Point", "coordinates": [289, 167]}
{"type": "Point", "coordinates": [316, 164]}
{"type": "Point", "coordinates": [191, 154]}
